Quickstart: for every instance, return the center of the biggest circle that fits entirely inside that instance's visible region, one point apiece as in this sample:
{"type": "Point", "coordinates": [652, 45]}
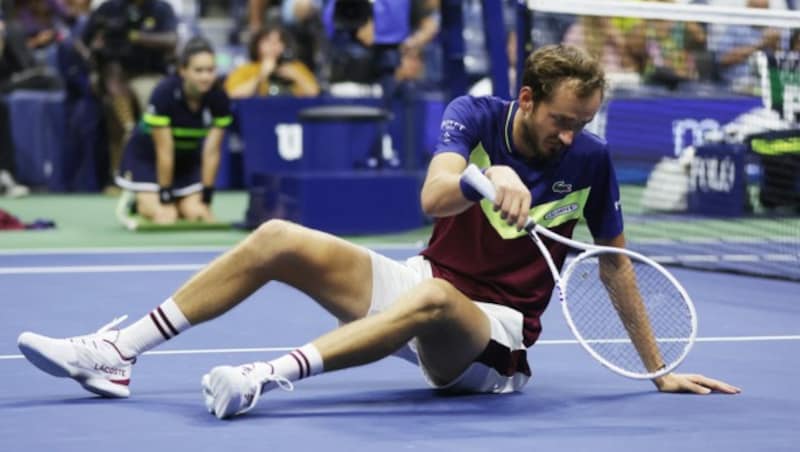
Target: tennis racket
{"type": "Point", "coordinates": [625, 309]}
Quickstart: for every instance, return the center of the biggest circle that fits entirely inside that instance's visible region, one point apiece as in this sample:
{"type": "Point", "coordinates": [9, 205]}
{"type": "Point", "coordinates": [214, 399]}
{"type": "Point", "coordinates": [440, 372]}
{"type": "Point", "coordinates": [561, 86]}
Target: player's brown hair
{"type": "Point", "coordinates": [549, 66]}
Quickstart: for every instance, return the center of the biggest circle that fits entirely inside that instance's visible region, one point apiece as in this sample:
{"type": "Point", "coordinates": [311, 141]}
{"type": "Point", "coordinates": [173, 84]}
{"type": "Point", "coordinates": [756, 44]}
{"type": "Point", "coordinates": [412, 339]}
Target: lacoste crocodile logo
{"type": "Point", "coordinates": [562, 187]}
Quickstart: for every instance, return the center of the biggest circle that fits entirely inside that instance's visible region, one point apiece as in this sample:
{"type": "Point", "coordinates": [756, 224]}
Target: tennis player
{"type": "Point", "coordinates": [172, 157]}
{"type": "Point", "coordinates": [466, 309]}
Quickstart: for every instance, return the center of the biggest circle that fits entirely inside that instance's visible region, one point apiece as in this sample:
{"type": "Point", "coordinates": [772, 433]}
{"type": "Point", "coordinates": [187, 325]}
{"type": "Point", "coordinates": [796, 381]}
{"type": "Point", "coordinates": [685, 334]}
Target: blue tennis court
{"type": "Point", "coordinates": [748, 335]}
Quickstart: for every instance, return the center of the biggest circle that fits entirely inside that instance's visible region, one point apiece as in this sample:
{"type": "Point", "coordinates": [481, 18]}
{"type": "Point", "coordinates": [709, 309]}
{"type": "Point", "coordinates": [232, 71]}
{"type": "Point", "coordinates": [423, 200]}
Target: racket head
{"type": "Point", "coordinates": [590, 313]}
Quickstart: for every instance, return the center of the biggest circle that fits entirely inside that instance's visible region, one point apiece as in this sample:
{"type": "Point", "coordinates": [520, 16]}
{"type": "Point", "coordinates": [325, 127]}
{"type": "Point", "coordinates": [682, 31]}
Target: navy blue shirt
{"type": "Point", "coordinates": [168, 108]}
{"type": "Point", "coordinates": [116, 18]}
{"type": "Point", "coordinates": [477, 251]}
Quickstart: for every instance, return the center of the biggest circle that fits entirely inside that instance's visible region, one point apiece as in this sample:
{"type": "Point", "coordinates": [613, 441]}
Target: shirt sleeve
{"type": "Point", "coordinates": [458, 131]}
{"type": "Point", "coordinates": [220, 106]}
{"type": "Point", "coordinates": [239, 76]}
{"type": "Point", "coordinates": [603, 211]}
{"type": "Point", "coordinates": [93, 24]}
{"type": "Point", "coordinates": [165, 18]}
{"type": "Point", "coordinates": [159, 108]}
{"type": "Point", "coordinates": [304, 73]}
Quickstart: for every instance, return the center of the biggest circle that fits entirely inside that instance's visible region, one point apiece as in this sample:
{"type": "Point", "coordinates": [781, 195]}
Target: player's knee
{"type": "Point", "coordinates": [435, 301]}
{"type": "Point", "coordinates": [271, 238]}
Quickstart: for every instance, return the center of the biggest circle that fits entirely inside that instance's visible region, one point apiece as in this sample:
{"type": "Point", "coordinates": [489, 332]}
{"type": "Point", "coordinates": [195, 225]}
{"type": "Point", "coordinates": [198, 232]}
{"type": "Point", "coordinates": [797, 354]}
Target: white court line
{"type": "Point", "coordinates": [99, 269]}
{"type": "Point", "coordinates": [209, 351]}
{"type": "Point", "coordinates": [113, 250]}
{"type": "Point", "coordinates": [179, 249]}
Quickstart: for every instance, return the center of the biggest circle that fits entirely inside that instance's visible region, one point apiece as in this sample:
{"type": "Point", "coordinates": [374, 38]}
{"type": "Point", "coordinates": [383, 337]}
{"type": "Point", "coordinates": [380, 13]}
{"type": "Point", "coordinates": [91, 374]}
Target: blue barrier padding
{"type": "Point", "coordinates": [85, 164]}
{"type": "Point", "coordinates": [340, 202]}
{"type": "Point", "coordinates": [38, 129]}
{"type": "Point", "coordinates": [277, 140]}
{"type": "Point", "coordinates": [717, 181]}
{"type": "Point", "coordinates": [642, 129]}
{"type": "Point", "coordinates": [638, 129]}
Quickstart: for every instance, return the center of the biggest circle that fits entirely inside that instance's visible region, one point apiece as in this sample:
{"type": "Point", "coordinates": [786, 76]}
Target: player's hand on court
{"type": "Point", "coordinates": [513, 199]}
{"type": "Point", "coordinates": [694, 383]}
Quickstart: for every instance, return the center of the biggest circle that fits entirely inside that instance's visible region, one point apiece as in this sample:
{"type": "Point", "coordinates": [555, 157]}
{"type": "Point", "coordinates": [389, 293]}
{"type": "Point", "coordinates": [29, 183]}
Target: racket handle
{"type": "Point", "coordinates": [477, 180]}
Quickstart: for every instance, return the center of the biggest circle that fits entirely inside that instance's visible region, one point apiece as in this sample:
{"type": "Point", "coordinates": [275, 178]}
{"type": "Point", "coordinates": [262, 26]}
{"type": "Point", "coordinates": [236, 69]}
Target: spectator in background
{"type": "Point", "coordinates": [483, 87]}
{"type": "Point", "coordinates": [733, 46]}
{"type": "Point", "coordinates": [42, 21]}
{"type": "Point", "coordinates": [419, 62]}
{"type": "Point", "coordinates": [360, 60]}
{"type": "Point", "coordinates": [303, 20]}
{"type": "Point", "coordinates": [424, 24]}
{"type": "Point", "coordinates": [13, 60]}
{"type": "Point", "coordinates": [794, 40]}
{"type": "Point", "coordinates": [257, 13]}
{"type": "Point", "coordinates": [131, 43]}
{"type": "Point", "coordinates": [8, 184]}
{"type": "Point", "coordinates": [271, 70]}
{"type": "Point", "coordinates": [603, 40]}
{"type": "Point", "coordinates": [412, 68]}
{"type": "Point", "coordinates": [18, 66]}
{"type": "Point", "coordinates": [663, 50]}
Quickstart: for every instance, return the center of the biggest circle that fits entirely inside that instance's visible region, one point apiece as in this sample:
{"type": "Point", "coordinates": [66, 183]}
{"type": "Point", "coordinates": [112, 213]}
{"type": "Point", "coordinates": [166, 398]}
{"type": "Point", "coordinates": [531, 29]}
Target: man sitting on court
{"type": "Point", "coordinates": [424, 309]}
{"type": "Point", "coordinates": [171, 160]}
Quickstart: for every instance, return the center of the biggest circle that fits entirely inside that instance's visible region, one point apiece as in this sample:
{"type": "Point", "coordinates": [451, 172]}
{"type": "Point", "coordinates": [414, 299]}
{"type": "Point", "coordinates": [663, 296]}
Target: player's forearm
{"type": "Point", "coordinates": [619, 278]}
{"type": "Point", "coordinates": [442, 196]}
{"type": "Point", "coordinates": [211, 156]}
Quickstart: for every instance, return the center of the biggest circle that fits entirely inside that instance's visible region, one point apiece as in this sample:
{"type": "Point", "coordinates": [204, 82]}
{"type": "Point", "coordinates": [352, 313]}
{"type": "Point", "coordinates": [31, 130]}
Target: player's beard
{"type": "Point", "coordinates": [534, 145]}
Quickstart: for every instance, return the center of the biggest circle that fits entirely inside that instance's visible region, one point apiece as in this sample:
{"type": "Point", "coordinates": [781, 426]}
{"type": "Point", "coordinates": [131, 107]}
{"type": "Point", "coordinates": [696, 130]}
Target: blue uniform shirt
{"type": "Point", "coordinates": [116, 18]}
{"type": "Point", "coordinates": [491, 261]}
{"type": "Point", "coordinates": [168, 108]}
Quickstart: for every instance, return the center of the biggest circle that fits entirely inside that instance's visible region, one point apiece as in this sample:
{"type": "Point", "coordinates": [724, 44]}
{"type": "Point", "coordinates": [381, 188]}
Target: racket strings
{"type": "Point", "coordinates": [592, 307]}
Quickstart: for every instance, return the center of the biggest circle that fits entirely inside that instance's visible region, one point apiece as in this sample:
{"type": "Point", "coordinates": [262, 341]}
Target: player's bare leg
{"type": "Point", "coordinates": [336, 273]}
{"type": "Point", "coordinates": [451, 332]}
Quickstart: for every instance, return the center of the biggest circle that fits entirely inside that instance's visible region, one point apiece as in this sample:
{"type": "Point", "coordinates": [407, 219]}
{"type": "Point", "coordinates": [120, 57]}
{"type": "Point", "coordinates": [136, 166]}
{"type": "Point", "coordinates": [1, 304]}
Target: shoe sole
{"type": "Point", "coordinates": [27, 345]}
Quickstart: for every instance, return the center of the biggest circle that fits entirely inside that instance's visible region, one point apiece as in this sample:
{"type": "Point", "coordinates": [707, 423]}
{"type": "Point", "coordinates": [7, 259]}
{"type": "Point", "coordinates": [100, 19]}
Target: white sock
{"type": "Point", "coordinates": [295, 365]}
{"type": "Point", "coordinates": [160, 325]}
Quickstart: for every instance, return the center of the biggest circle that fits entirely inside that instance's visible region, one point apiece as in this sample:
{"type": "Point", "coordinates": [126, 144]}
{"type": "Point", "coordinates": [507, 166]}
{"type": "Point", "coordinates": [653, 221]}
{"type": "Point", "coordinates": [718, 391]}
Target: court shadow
{"type": "Point", "coordinates": [149, 399]}
{"type": "Point", "coordinates": [401, 403]}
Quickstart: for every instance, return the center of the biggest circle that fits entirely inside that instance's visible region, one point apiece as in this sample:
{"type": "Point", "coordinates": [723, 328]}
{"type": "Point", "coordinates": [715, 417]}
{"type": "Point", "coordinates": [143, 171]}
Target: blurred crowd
{"type": "Point", "coordinates": [106, 56]}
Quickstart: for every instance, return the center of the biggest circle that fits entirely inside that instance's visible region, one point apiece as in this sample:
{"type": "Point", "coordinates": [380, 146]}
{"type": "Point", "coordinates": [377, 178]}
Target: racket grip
{"type": "Point", "coordinates": [477, 180]}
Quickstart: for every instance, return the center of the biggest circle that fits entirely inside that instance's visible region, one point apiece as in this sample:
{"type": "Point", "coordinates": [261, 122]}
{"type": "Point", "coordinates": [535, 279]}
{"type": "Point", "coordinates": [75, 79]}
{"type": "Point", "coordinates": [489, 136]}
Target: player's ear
{"type": "Point", "coordinates": [525, 99]}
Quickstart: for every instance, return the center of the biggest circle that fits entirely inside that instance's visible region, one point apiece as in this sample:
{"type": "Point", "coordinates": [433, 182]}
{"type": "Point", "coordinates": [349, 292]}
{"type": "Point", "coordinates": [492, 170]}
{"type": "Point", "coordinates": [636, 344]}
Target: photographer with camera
{"type": "Point", "coordinates": [130, 44]}
{"type": "Point", "coordinates": [370, 39]}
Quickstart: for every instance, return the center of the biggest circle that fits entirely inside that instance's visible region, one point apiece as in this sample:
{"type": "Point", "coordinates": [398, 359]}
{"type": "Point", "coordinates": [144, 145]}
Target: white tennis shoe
{"type": "Point", "coordinates": [92, 360]}
{"type": "Point", "coordinates": [230, 391]}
